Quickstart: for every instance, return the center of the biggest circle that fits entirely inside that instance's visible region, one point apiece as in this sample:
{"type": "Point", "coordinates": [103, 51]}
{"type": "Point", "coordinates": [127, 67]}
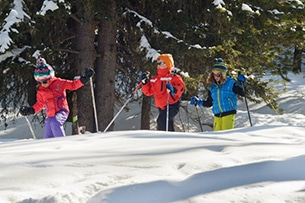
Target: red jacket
{"type": "Point", "coordinates": [53, 97]}
{"type": "Point", "coordinates": [157, 87]}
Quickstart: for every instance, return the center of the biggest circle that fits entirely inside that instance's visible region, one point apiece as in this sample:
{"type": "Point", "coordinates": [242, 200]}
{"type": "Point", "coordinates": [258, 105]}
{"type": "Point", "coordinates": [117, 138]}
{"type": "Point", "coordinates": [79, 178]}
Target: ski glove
{"type": "Point", "coordinates": [145, 77]}
{"type": "Point", "coordinates": [25, 111]}
{"type": "Point", "coordinates": [241, 77]}
{"type": "Point", "coordinates": [196, 101]}
{"type": "Point", "coordinates": [86, 77]}
{"type": "Point", "coordinates": [242, 80]}
{"type": "Point", "coordinates": [170, 89]}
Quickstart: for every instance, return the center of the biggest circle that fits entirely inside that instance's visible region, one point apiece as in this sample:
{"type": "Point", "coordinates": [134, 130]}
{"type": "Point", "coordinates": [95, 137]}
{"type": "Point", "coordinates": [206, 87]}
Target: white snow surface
{"type": "Point", "coordinates": [262, 163]}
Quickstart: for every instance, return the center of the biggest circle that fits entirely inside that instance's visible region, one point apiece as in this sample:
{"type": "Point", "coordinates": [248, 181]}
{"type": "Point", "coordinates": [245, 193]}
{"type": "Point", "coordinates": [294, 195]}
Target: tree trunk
{"type": "Point", "coordinates": [84, 44]}
{"type": "Point", "coordinates": [74, 112]}
{"type": "Point", "coordinates": [297, 60]}
{"type": "Point", "coordinates": [106, 66]}
{"type": "Point", "coordinates": [145, 116]}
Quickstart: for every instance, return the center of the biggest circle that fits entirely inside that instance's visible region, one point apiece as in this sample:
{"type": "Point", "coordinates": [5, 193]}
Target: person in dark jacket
{"type": "Point", "coordinates": [51, 95]}
{"type": "Point", "coordinates": [222, 96]}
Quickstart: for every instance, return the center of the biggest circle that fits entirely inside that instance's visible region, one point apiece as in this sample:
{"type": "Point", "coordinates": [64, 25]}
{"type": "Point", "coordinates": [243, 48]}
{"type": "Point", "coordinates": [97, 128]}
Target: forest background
{"type": "Point", "coordinates": [120, 40]}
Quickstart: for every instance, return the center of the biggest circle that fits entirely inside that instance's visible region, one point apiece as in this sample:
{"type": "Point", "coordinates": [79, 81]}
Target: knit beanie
{"type": "Point", "coordinates": [43, 71]}
{"type": "Point", "coordinates": [168, 59]}
{"type": "Point", "coordinates": [220, 66]}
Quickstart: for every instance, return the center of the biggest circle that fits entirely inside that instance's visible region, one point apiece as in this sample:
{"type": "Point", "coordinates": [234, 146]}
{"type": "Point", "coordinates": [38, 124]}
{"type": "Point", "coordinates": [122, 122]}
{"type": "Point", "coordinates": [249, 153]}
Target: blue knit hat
{"type": "Point", "coordinates": [220, 66]}
{"type": "Point", "coordinates": [43, 71]}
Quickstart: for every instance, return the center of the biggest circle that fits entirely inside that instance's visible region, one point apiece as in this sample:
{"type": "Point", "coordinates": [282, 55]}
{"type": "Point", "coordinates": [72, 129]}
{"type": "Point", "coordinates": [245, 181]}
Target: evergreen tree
{"type": "Point", "coordinates": [254, 37]}
{"type": "Point", "coordinates": [106, 62]}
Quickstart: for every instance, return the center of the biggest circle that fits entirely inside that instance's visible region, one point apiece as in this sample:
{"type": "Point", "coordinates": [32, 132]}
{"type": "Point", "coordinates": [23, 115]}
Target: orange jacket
{"type": "Point", "coordinates": [53, 97]}
{"type": "Point", "coordinates": [157, 87]}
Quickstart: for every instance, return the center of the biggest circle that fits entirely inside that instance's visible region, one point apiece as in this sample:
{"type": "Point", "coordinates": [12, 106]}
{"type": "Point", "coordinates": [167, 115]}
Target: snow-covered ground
{"type": "Point", "coordinates": [263, 163]}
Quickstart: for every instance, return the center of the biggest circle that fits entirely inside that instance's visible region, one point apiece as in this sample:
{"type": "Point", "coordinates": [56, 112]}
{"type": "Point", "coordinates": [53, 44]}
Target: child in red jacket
{"type": "Point", "coordinates": [51, 95]}
{"type": "Point", "coordinates": [167, 89]}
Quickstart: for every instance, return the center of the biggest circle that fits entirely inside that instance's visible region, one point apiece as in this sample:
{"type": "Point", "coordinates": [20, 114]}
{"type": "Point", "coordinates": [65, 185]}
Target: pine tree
{"type": "Point", "coordinates": [255, 37]}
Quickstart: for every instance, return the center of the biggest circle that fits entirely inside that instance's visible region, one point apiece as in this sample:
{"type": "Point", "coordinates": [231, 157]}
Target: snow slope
{"type": "Point", "coordinates": [263, 163]}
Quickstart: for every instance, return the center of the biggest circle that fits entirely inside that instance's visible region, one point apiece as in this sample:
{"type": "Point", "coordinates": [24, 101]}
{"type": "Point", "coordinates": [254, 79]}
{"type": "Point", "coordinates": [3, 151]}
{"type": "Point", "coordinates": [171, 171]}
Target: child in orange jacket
{"type": "Point", "coordinates": [167, 89]}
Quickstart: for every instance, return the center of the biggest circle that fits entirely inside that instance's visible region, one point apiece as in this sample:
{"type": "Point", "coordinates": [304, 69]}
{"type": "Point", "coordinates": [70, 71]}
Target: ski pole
{"type": "Point", "coordinates": [199, 118]}
{"type": "Point", "coordinates": [127, 101]}
{"type": "Point", "coordinates": [75, 120]}
{"type": "Point", "coordinates": [93, 103]}
{"type": "Point", "coordinates": [167, 112]}
{"type": "Point", "coordinates": [30, 127]}
{"type": "Point", "coordinates": [244, 89]}
{"type": "Point", "coordinates": [167, 103]}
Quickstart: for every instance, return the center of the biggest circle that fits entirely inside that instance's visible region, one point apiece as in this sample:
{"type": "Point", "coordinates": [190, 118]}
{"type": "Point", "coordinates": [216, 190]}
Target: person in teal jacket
{"type": "Point", "coordinates": [222, 96]}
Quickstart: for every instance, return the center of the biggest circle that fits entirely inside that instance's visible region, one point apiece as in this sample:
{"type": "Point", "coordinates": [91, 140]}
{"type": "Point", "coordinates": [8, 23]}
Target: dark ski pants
{"type": "Point", "coordinates": [54, 125]}
{"type": "Point", "coordinates": [161, 121]}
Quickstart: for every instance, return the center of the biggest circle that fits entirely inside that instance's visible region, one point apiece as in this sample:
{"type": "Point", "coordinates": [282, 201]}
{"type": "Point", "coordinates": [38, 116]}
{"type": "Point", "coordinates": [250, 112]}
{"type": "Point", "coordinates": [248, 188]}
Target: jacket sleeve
{"type": "Point", "coordinates": [71, 84]}
{"type": "Point", "coordinates": [179, 86]}
{"type": "Point", "coordinates": [238, 90]}
{"type": "Point", "coordinates": [147, 89]}
{"type": "Point", "coordinates": [38, 106]}
{"type": "Point", "coordinates": [209, 101]}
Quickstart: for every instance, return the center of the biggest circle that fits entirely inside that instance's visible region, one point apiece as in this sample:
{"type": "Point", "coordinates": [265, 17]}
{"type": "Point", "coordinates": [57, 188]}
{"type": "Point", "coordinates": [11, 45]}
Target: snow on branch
{"type": "Point", "coordinates": [15, 16]}
{"type": "Point", "coordinates": [12, 53]}
{"type": "Point", "coordinates": [46, 6]}
{"type": "Point", "coordinates": [151, 53]}
{"type": "Point", "coordinates": [219, 3]}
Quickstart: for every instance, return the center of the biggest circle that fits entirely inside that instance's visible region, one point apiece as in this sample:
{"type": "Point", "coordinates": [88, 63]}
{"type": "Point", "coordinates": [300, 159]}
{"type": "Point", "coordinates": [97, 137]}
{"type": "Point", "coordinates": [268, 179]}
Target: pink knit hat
{"type": "Point", "coordinates": [43, 71]}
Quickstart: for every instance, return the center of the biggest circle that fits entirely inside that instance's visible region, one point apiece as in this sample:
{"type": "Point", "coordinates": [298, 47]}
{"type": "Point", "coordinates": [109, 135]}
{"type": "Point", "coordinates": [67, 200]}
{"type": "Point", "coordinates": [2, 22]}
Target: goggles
{"type": "Point", "coordinates": [44, 82]}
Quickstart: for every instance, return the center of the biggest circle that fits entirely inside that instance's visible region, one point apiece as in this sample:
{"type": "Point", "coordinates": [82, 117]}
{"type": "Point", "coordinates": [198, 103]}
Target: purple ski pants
{"type": "Point", "coordinates": [54, 125]}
